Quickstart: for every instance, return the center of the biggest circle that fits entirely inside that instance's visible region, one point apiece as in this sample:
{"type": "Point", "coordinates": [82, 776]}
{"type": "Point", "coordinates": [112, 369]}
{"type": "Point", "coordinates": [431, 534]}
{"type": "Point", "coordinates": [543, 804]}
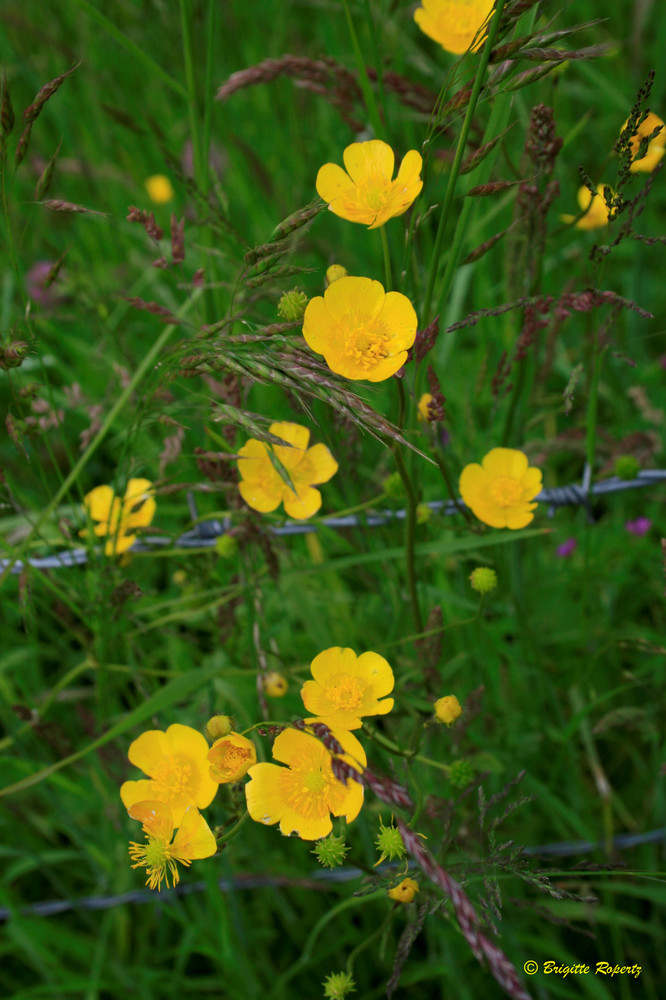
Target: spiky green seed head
{"type": "Point", "coordinates": [291, 306]}
{"type": "Point", "coordinates": [331, 851]}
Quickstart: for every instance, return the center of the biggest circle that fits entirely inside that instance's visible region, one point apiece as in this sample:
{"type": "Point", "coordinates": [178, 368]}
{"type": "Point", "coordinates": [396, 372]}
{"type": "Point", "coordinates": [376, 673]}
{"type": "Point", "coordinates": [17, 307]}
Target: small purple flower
{"type": "Point", "coordinates": [640, 526]}
{"type": "Point", "coordinates": [567, 548]}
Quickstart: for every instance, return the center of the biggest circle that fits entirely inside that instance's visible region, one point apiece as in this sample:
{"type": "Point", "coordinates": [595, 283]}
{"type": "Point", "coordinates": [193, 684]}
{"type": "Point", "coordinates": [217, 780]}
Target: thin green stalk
{"type": "Point", "coordinates": [591, 419]}
{"type": "Point", "coordinates": [460, 152]}
{"type": "Point", "coordinates": [368, 941]}
{"type": "Point", "coordinates": [376, 57]}
{"type": "Point", "coordinates": [368, 94]}
{"type": "Point", "coordinates": [394, 748]}
{"type": "Point", "coordinates": [136, 51]}
{"type": "Point", "coordinates": [410, 519]}
{"type": "Point", "coordinates": [193, 118]}
{"type": "Point", "coordinates": [387, 259]}
{"type": "Point", "coordinates": [143, 367]}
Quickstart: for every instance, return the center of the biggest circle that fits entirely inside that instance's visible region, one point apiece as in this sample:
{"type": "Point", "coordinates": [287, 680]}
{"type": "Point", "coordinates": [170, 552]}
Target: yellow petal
{"type": "Point", "coordinates": [400, 319]}
{"type": "Point", "coordinates": [263, 793]}
{"type": "Point", "coordinates": [532, 483]}
{"type": "Point", "coordinates": [410, 168]}
{"type": "Point", "coordinates": [293, 743]}
{"type": "Point", "coordinates": [155, 817]}
{"type": "Point", "coordinates": [307, 827]}
{"type": "Point", "coordinates": [318, 324]}
{"type": "Point", "coordinates": [366, 161]}
{"type": "Point", "coordinates": [352, 300]}
{"type": "Point", "coordinates": [195, 838]}
{"type": "Point", "coordinates": [322, 465]}
{"type": "Point", "coordinates": [519, 517]}
{"type": "Point", "coordinates": [304, 506]}
{"type": "Point", "coordinates": [260, 499]}
{"type": "Point", "coordinates": [294, 434]}
{"type": "Point", "coordinates": [98, 503]}
{"type": "Point", "coordinates": [188, 742]}
{"type": "Point", "coordinates": [376, 671]}
{"type": "Point", "coordinates": [133, 792]}
{"type": "Point", "coordinates": [505, 462]}
{"type": "Point", "coordinates": [148, 751]}
{"type": "Point", "coordinates": [383, 369]}
{"type": "Point", "coordinates": [333, 183]}
{"type": "Point", "coordinates": [118, 543]}
{"type": "Point", "coordinates": [330, 663]}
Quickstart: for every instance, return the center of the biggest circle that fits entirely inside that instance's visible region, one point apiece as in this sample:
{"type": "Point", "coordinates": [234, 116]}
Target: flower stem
{"type": "Point", "coordinates": [460, 152]}
{"type": "Point", "coordinates": [410, 519]}
{"type": "Point", "coordinates": [387, 259]}
{"type": "Point", "coordinates": [368, 94]}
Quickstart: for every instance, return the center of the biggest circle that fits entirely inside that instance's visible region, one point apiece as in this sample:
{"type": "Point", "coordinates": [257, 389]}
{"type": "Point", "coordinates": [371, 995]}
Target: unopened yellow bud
{"type": "Point", "coordinates": [159, 188]}
{"type": "Point", "coordinates": [447, 709]}
{"type": "Point", "coordinates": [405, 892]}
{"type": "Point", "coordinates": [218, 726]}
{"type": "Point", "coordinates": [334, 272]}
{"type": "Point", "coordinates": [274, 684]}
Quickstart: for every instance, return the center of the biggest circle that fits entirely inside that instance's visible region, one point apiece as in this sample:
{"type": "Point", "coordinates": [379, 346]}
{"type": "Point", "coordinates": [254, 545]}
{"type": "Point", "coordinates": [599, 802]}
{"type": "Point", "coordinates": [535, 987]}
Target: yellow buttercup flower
{"type": "Point", "coordinates": [160, 189]}
{"type": "Point", "coordinates": [159, 854]}
{"type": "Point", "coordinates": [499, 490]}
{"type": "Point", "coordinates": [656, 147]}
{"type": "Point", "coordinates": [366, 193]}
{"type": "Point", "coordinates": [118, 517]}
{"type": "Point", "coordinates": [454, 23]}
{"type": "Point", "coordinates": [595, 208]}
{"type": "Point", "coordinates": [362, 331]}
{"type": "Point", "coordinates": [230, 758]}
{"type": "Point", "coordinates": [177, 768]}
{"type": "Point", "coordinates": [347, 686]}
{"type": "Point", "coordinates": [405, 891]}
{"type": "Point", "coordinates": [301, 796]}
{"type": "Point", "coordinates": [263, 488]}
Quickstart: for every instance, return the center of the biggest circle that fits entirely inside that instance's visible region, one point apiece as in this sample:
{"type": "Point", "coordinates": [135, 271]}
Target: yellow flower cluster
{"type": "Point", "coordinates": [363, 331]}
{"type": "Point", "coordinates": [302, 796]}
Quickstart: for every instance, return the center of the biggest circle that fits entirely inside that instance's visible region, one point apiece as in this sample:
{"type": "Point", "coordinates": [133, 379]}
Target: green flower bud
{"type": "Point", "coordinates": [291, 306]}
{"type": "Point", "coordinates": [483, 579]}
{"type": "Point", "coordinates": [461, 773]}
{"type": "Point", "coordinates": [331, 851]}
{"type": "Point", "coordinates": [626, 467]}
{"type": "Point", "coordinates": [338, 985]}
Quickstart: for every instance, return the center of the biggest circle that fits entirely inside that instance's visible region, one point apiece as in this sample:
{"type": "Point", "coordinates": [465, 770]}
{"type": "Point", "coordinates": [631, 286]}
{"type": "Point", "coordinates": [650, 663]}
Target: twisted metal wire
{"type": "Point", "coordinates": [206, 533]}
{"type": "Point", "coordinates": [53, 907]}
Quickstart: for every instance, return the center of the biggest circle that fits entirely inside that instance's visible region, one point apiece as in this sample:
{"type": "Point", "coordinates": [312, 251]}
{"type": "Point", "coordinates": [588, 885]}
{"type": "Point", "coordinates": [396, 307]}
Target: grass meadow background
{"type": "Point", "coordinates": [561, 669]}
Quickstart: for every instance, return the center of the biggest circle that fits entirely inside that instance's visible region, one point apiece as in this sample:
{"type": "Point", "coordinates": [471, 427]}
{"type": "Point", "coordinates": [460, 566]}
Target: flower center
{"type": "Point", "coordinates": [367, 343]}
{"type": "Point", "coordinates": [176, 777]}
{"type": "Point", "coordinates": [347, 693]}
{"type": "Point", "coordinates": [228, 758]}
{"type": "Point", "coordinates": [156, 857]}
{"type": "Point", "coordinates": [306, 787]}
{"type": "Point", "coordinates": [506, 491]}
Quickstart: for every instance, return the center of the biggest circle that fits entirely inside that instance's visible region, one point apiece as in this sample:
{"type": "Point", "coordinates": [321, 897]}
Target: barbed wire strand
{"type": "Point", "coordinates": [207, 532]}
{"type": "Point", "coordinates": [52, 907]}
